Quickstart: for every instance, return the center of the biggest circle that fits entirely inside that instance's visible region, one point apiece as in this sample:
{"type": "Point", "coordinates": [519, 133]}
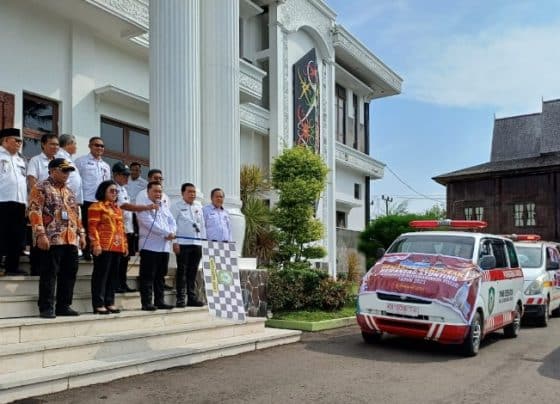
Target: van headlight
{"type": "Point", "coordinates": [535, 287]}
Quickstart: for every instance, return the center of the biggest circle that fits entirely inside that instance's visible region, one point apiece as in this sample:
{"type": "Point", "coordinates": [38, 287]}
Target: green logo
{"type": "Point", "coordinates": [225, 278]}
{"type": "Point", "coordinates": [491, 300]}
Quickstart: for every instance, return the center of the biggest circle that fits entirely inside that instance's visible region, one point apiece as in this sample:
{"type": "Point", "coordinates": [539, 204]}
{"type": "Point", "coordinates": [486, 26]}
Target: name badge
{"type": "Point", "coordinates": [64, 215]}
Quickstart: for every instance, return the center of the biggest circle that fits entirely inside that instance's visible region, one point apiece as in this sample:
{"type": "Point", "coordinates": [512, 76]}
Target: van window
{"type": "Point", "coordinates": [498, 248]}
{"type": "Point", "coordinates": [512, 255]}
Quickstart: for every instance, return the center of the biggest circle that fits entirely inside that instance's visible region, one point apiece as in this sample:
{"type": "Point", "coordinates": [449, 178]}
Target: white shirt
{"type": "Point", "coordinates": [218, 226]}
{"type": "Point", "coordinates": [38, 167]}
{"type": "Point", "coordinates": [188, 216]}
{"type": "Point", "coordinates": [13, 179]}
{"type": "Point", "coordinates": [153, 226]}
{"type": "Point", "coordinates": [142, 199]}
{"type": "Point", "coordinates": [135, 186]}
{"type": "Point", "coordinates": [74, 181]}
{"type": "Point", "coordinates": [93, 173]}
{"type": "Point", "coordinates": [122, 198]}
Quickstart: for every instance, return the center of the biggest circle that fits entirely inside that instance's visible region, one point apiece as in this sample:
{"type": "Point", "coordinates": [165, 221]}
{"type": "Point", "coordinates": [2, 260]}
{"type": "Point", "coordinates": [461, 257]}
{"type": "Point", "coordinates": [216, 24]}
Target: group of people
{"type": "Point", "coordinates": [107, 213]}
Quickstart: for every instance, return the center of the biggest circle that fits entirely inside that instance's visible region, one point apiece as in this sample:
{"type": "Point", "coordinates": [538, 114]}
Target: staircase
{"type": "Point", "coordinates": [39, 356]}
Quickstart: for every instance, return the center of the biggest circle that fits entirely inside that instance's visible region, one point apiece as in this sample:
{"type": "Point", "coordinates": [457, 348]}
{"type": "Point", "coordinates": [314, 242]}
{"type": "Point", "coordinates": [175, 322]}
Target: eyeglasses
{"type": "Point", "coordinates": [102, 146]}
{"type": "Point", "coordinates": [113, 191]}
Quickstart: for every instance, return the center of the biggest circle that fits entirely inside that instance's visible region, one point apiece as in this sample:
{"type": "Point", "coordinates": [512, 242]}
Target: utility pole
{"type": "Point", "coordinates": [387, 199]}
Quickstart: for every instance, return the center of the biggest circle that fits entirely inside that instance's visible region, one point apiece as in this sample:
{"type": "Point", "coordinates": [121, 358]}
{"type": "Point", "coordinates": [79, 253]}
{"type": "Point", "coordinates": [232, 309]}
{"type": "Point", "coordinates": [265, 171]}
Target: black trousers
{"type": "Point", "coordinates": [187, 268]}
{"type": "Point", "coordinates": [84, 208]}
{"type": "Point", "coordinates": [120, 278]}
{"type": "Point", "coordinates": [12, 233]}
{"type": "Point", "coordinates": [58, 272]}
{"type": "Point", "coordinates": [103, 278]}
{"type": "Point", "coordinates": [153, 268]}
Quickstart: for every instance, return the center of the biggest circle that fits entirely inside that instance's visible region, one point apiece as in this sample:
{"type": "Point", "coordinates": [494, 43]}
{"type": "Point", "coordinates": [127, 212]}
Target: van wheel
{"type": "Point", "coordinates": [542, 321]}
{"type": "Point", "coordinates": [555, 312]}
{"type": "Point", "coordinates": [471, 345]}
{"type": "Point", "coordinates": [371, 338]}
{"type": "Point", "coordinates": [512, 330]}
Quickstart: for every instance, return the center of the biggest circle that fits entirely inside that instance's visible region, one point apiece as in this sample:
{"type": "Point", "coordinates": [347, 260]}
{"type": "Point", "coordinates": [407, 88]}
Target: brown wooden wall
{"type": "Point", "coordinates": [499, 195]}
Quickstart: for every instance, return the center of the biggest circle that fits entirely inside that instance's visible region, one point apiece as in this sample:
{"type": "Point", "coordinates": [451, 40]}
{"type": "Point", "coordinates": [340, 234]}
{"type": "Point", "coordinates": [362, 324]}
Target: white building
{"type": "Point", "coordinates": [197, 88]}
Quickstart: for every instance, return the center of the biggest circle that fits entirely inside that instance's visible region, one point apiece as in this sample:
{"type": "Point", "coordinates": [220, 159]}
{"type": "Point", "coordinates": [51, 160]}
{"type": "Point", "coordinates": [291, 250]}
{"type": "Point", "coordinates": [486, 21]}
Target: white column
{"type": "Point", "coordinates": [221, 143]}
{"type": "Point", "coordinates": [175, 145]}
{"type": "Point", "coordinates": [329, 125]}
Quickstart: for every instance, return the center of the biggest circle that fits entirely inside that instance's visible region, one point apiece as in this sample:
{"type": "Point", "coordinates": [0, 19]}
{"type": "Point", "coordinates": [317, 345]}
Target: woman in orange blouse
{"type": "Point", "coordinates": [108, 243]}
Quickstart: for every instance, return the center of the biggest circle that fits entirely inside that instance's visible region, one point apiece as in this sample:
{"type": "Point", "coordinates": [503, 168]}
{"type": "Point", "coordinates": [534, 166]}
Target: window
{"type": "Point", "coordinates": [474, 212]}
{"type": "Point", "coordinates": [498, 248]}
{"type": "Point", "coordinates": [340, 114]}
{"type": "Point", "coordinates": [357, 191]}
{"type": "Point", "coordinates": [356, 123]}
{"type": "Point", "coordinates": [479, 212]}
{"type": "Point", "coordinates": [513, 262]}
{"type": "Point", "coordinates": [40, 116]}
{"type": "Point", "coordinates": [6, 110]}
{"type": "Point", "coordinates": [524, 214]}
{"type": "Point", "coordinates": [124, 142]}
{"type": "Point", "coordinates": [341, 219]}
{"type": "Point", "coordinates": [468, 213]}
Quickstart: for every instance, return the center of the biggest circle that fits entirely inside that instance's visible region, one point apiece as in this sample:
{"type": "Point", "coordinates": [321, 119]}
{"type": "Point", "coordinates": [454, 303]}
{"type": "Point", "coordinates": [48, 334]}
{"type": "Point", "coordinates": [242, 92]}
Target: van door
{"type": "Point", "coordinates": [553, 277]}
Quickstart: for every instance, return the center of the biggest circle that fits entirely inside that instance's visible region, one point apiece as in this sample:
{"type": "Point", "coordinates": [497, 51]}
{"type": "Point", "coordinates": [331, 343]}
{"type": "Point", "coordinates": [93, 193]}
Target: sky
{"type": "Point", "coordinates": [462, 64]}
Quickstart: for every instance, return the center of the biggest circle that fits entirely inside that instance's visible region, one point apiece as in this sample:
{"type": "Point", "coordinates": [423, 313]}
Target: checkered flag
{"type": "Point", "coordinates": [221, 280]}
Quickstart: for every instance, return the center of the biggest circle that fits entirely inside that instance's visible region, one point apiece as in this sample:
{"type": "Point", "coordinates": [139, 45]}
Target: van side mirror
{"type": "Point", "coordinates": [487, 262]}
{"type": "Point", "coordinates": [552, 266]}
{"type": "Point", "coordinates": [380, 252]}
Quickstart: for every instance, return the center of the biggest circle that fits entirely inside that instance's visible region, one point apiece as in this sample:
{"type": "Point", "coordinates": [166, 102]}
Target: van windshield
{"type": "Point", "coordinates": [529, 257]}
{"type": "Point", "coordinates": [454, 246]}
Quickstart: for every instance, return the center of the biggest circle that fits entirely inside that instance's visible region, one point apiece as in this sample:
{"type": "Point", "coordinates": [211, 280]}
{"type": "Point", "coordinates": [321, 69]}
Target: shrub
{"type": "Point", "coordinates": [298, 286]}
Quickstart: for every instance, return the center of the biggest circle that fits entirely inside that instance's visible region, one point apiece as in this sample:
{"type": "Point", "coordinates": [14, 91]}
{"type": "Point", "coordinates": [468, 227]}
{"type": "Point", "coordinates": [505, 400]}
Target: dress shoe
{"type": "Point", "coordinates": [67, 311]}
{"type": "Point", "coordinates": [86, 256]}
{"type": "Point", "coordinates": [165, 306]}
{"type": "Point", "coordinates": [47, 314]}
{"type": "Point", "coordinates": [113, 310]}
{"type": "Point", "coordinates": [100, 311]}
{"type": "Point", "coordinates": [129, 290]}
{"type": "Point", "coordinates": [149, 307]}
{"type": "Point", "coordinates": [119, 290]}
{"type": "Point", "coordinates": [167, 287]}
{"type": "Point", "coordinates": [195, 303]}
{"type": "Point", "coordinates": [180, 304]}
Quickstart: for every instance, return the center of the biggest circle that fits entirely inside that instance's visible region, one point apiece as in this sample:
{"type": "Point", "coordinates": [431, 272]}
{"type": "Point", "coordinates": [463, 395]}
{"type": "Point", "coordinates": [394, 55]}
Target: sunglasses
{"type": "Point", "coordinates": [98, 145]}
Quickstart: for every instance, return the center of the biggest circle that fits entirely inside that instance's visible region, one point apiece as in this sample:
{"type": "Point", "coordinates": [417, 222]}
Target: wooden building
{"type": "Point", "coordinates": [517, 190]}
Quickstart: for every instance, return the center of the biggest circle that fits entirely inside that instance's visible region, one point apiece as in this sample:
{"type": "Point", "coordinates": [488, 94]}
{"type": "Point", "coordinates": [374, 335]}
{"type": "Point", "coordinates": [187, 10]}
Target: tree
{"type": "Point", "coordinates": [259, 237]}
{"type": "Point", "coordinates": [436, 211]}
{"type": "Point", "coordinates": [299, 176]}
{"type": "Point", "coordinates": [384, 230]}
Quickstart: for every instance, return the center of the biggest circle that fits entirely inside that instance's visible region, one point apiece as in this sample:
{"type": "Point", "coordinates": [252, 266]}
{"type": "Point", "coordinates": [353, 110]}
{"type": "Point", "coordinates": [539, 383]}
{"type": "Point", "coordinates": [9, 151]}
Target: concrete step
{"type": "Point", "coordinates": [62, 351]}
{"type": "Point", "coordinates": [26, 306]}
{"type": "Point", "coordinates": [24, 330]}
{"type": "Point", "coordinates": [29, 285]}
{"type": "Point", "coordinates": [33, 382]}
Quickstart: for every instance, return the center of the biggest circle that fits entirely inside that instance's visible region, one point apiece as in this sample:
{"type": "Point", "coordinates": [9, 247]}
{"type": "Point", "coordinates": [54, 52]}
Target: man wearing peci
{"type": "Point", "coordinates": [13, 199]}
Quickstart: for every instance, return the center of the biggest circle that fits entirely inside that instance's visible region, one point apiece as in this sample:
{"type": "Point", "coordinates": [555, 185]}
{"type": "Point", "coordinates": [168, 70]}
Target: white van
{"type": "Point", "coordinates": [453, 287]}
{"type": "Point", "coordinates": [539, 261]}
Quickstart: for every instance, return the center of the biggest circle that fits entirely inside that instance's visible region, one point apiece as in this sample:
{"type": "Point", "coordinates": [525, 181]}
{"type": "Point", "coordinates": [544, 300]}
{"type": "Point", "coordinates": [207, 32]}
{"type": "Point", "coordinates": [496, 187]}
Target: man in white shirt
{"type": "Point", "coordinates": [68, 148]}
{"type": "Point", "coordinates": [187, 248]}
{"type": "Point", "coordinates": [157, 229]}
{"type": "Point", "coordinates": [135, 182]}
{"type": "Point", "coordinates": [121, 172]}
{"type": "Point", "coordinates": [93, 171]}
{"type": "Point", "coordinates": [154, 174]}
{"type": "Point", "coordinates": [13, 199]}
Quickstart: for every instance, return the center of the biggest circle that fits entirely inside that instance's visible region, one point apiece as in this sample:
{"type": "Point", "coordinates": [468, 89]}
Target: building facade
{"type": "Point", "coordinates": [516, 192]}
{"type": "Point", "coordinates": [198, 88]}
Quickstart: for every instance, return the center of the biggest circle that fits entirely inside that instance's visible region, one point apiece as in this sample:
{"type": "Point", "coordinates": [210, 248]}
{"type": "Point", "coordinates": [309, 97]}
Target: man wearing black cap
{"type": "Point", "coordinates": [121, 173]}
{"type": "Point", "coordinates": [13, 198]}
{"type": "Point", "coordinates": [57, 231]}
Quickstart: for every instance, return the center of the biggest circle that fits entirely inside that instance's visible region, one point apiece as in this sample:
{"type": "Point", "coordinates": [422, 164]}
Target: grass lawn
{"type": "Point", "coordinates": [316, 315]}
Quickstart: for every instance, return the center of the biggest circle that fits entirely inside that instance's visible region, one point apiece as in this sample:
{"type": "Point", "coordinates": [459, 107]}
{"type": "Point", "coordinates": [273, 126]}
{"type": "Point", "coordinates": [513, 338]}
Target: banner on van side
{"type": "Point", "coordinates": [451, 281]}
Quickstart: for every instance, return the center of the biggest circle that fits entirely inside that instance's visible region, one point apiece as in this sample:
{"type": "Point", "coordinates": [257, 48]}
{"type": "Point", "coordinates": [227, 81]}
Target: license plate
{"type": "Point", "coordinates": [404, 309]}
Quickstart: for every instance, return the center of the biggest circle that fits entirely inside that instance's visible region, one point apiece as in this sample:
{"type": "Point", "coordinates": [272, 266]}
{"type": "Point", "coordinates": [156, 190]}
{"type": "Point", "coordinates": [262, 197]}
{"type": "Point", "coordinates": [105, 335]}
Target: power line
{"type": "Point", "coordinates": [410, 187]}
